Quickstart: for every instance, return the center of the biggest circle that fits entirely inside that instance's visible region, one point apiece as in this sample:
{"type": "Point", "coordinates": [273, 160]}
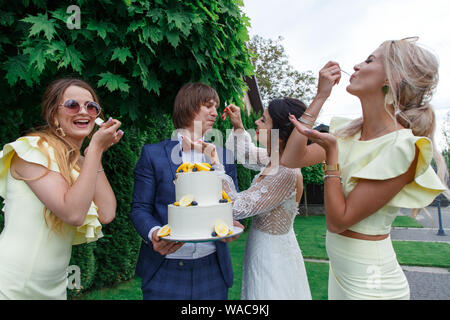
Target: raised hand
{"type": "Point", "coordinates": [325, 140]}
{"type": "Point", "coordinates": [234, 113]}
{"type": "Point", "coordinates": [206, 148]}
{"type": "Point", "coordinates": [107, 135]}
{"type": "Point", "coordinates": [329, 76]}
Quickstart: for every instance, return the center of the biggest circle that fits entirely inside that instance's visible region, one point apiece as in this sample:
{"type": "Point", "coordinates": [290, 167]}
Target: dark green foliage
{"type": "Point", "coordinates": [137, 53]}
{"type": "Point", "coordinates": [313, 174]}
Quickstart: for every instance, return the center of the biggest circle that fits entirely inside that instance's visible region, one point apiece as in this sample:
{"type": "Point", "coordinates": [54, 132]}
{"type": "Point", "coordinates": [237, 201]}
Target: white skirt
{"type": "Point", "coordinates": [273, 268]}
{"type": "Point", "coordinates": [362, 269]}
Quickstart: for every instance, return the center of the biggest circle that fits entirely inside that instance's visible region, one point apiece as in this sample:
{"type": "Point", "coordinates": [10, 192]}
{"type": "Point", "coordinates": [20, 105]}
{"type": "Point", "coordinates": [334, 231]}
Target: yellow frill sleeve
{"type": "Point", "coordinates": [28, 149]}
{"type": "Point", "coordinates": [91, 230]}
{"type": "Point", "coordinates": [394, 160]}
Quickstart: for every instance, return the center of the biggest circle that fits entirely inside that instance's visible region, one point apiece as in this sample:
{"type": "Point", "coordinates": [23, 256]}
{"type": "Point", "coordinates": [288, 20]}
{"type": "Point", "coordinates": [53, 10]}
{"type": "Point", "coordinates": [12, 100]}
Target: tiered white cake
{"type": "Point", "coordinates": [197, 220]}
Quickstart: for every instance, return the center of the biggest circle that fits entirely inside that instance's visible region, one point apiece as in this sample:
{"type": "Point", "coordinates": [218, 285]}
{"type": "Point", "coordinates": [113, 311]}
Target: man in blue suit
{"type": "Point", "coordinates": [171, 270]}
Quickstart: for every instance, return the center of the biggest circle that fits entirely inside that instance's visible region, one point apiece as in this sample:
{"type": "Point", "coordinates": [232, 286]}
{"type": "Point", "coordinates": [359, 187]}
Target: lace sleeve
{"type": "Point", "coordinates": [262, 196]}
{"type": "Point", "coordinates": [245, 151]}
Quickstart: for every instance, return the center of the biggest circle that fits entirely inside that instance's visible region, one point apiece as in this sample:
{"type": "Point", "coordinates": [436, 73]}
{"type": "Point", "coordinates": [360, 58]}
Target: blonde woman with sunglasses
{"type": "Point", "coordinates": [374, 165]}
{"type": "Point", "coordinates": [54, 197]}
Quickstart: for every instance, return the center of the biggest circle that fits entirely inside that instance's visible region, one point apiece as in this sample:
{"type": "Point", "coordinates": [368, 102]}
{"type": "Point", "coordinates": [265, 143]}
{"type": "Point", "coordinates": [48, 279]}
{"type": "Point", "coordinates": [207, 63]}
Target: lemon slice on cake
{"type": "Point", "coordinates": [164, 231]}
{"type": "Point", "coordinates": [202, 166]}
{"type": "Point", "coordinates": [221, 229]}
{"type": "Point", "coordinates": [225, 196]}
{"type": "Point", "coordinates": [185, 167]}
{"type": "Point", "coordinates": [206, 164]}
{"type": "Point", "coordinates": [186, 200]}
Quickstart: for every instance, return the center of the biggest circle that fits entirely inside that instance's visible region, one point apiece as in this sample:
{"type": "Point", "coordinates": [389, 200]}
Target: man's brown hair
{"type": "Point", "coordinates": [187, 103]}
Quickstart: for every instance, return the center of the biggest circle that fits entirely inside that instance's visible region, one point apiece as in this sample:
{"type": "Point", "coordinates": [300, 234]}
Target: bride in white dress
{"type": "Point", "coordinates": [273, 266]}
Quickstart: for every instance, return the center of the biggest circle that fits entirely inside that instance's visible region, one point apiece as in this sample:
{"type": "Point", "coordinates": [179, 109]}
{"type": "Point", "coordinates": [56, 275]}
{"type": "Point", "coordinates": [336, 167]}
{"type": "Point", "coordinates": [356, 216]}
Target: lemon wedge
{"type": "Point", "coordinates": [221, 229]}
{"type": "Point", "coordinates": [225, 196]}
{"type": "Point", "coordinates": [202, 167]}
{"type": "Point", "coordinates": [164, 231]}
{"type": "Point", "coordinates": [186, 200]}
{"type": "Point", "coordinates": [186, 167]}
{"type": "Point", "coordinates": [176, 203]}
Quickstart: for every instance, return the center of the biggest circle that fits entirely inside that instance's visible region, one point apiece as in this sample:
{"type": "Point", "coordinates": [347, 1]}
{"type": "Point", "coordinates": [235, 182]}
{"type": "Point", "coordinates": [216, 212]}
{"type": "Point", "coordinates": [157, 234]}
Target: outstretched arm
{"type": "Point", "coordinates": [296, 153]}
{"type": "Point", "coordinates": [343, 212]}
{"type": "Point", "coordinates": [262, 196]}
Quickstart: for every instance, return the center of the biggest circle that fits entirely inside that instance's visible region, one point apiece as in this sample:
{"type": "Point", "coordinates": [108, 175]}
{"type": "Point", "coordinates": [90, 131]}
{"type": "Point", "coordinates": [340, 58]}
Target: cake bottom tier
{"type": "Point", "coordinates": [198, 221]}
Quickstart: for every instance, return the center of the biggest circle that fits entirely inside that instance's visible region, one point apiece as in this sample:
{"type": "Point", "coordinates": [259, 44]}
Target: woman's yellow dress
{"type": "Point", "coordinates": [361, 269]}
{"type": "Point", "coordinates": [33, 258]}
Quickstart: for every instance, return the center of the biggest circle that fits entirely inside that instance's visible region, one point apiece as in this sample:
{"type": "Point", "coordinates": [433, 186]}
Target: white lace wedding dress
{"type": "Point", "coordinates": [273, 267]}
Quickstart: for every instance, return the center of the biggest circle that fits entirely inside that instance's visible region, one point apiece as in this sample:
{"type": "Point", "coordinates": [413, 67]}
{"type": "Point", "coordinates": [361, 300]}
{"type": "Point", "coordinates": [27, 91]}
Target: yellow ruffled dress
{"type": "Point", "coordinates": [33, 258]}
{"type": "Point", "coordinates": [361, 269]}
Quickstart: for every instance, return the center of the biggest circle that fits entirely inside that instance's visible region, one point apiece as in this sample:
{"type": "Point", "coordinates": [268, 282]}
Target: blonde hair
{"type": "Point", "coordinates": [412, 74]}
{"type": "Point", "coordinates": [66, 154]}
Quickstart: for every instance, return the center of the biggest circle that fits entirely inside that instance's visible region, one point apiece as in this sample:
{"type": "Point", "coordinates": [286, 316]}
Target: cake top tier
{"type": "Point", "coordinates": [194, 167]}
{"type": "Point", "coordinates": [199, 181]}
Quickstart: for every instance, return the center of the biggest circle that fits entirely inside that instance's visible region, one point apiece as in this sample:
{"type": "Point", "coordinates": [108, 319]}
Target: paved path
{"type": "Point", "coordinates": [427, 283]}
{"type": "Point", "coordinates": [420, 234]}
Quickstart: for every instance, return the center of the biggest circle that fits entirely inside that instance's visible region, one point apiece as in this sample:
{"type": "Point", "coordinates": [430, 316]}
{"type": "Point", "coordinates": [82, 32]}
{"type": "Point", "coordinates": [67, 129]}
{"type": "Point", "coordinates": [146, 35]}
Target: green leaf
{"type": "Point", "coordinates": [155, 14]}
{"type": "Point", "coordinates": [173, 37]}
{"type": "Point", "coordinates": [113, 82]}
{"type": "Point", "coordinates": [151, 83]}
{"type": "Point", "coordinates": [179, 20]}
{"type": "Point", "coordinates": [101, 27]}
{"type": "Point", "coordinates": [41, 23]}
{"type": "Point", "coordinates": [154, 33]}
{"type": "Point", "coordinates": [135, 25]}
{"type": "Point", "coordinates": [60, 14]}
{"type": "Point", "coordinates": [121, 54]}
{"type": "Point", "coordinates": [17, 68]}
{"type": "Point", "coordinates": [37, 55]}
{"type": "Point", "coordinates": [66, 56]}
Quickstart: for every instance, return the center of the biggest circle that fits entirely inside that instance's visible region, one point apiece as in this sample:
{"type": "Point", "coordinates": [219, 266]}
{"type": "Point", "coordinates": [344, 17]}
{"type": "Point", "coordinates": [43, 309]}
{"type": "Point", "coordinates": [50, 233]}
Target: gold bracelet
{"type": "Point", "coordinates": [330, 167]}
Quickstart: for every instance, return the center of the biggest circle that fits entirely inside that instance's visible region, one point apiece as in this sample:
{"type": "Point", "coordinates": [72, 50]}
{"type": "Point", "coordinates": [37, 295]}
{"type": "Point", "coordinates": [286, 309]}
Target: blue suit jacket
{"type": "Point", "coordinates": [154, 190]}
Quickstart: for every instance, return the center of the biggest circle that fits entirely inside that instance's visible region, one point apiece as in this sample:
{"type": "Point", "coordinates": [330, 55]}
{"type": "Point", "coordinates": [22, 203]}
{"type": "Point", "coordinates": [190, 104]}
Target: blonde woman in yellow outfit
{"type": "Point", "coordinates": [53, 197]}
{"type": "Point", "coordinates": [374, 165]}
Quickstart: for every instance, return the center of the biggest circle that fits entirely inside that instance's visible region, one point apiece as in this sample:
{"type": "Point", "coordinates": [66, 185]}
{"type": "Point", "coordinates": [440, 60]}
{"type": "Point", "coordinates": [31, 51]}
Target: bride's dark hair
{"type": "Point", "coordinates": [279, 110]}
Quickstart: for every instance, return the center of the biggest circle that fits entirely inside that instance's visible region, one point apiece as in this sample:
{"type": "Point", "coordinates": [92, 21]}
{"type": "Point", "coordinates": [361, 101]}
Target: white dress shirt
{"type": "Point", "coordinates": [190, 250]}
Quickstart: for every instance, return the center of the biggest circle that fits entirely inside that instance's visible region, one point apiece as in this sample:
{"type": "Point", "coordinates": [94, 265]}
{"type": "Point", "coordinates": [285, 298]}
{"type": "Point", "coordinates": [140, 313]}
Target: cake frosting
{"type": "Point", "coordinates": [199, 207]}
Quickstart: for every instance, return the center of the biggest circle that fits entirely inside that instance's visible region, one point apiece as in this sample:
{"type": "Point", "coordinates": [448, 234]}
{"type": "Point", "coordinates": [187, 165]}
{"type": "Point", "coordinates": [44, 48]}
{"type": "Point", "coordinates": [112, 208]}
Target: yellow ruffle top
{"type": "Point", "coordinates": [27, 148]}
{"type": "Point", "coordinates": [384, 158]}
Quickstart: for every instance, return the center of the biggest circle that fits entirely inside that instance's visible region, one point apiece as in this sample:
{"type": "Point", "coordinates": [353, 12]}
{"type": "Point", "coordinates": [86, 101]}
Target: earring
{"type": "Point", "coordinates": [387, 96]}
{"type": "Point", "coordinates": [59, 131]}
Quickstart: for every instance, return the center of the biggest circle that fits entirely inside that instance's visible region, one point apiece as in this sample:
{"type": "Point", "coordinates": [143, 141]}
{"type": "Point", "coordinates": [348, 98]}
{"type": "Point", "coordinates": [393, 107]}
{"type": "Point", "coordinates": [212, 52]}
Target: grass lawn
{"type": "Point", "coordinates": [310, 232]}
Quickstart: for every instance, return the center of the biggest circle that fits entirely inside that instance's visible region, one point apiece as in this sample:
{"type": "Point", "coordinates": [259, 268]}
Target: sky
{"type": "Point", "coordinates": [348, 31]}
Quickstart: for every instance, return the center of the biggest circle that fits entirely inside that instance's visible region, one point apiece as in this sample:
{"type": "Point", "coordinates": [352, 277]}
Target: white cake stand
{"type": "Point", "coordinates": [236, 231]}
